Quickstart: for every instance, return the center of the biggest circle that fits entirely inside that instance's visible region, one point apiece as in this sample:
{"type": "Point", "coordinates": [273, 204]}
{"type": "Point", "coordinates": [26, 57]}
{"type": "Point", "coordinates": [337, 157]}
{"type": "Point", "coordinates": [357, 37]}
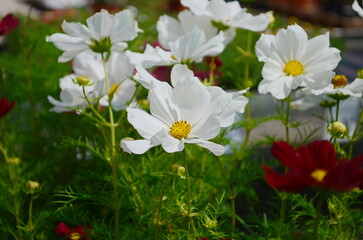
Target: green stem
{"type": "Point", "coordinates": [212, 66]}
{"type": "Point", "coordinates": [283, 208]}
{"type": "Point", "coordinates": [337, 110]}
{"type": "Point", "coordinates": [353, 139]}
{"type": "Point", "coordinates": [286, 123]}
{"type": "Point", "coordinates": [92, 107]}
{"type": "Point", "coordinates": [231, 196]}
{"type": "Point", "coordinates": [114, 163]}
{"type": "Point", "coordinates": [317, 218]}
{"type": "Point", "coordinates": [190, 218]}
{"type": "Point", "coordinates": [30, 220]}
{"type": "Point", "coordinates": [158, 212]}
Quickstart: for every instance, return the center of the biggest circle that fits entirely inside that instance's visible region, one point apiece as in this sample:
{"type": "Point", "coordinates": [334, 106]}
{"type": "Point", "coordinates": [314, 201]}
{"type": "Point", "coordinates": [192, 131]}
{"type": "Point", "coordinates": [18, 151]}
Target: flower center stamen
{"type": "Point", "coordinates": [293, 68]}
{"type": "Point", "coordinates": [180, 129]}
{"type": "Point", "coordinates": [74, 236]}
{"type": "Point", "coordinates": [339, 81]}
{"type": "Point", "coordinates": [318, 174]}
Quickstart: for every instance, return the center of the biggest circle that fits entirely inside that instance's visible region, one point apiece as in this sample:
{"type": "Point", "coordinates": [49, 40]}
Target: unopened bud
{"type": "Point", "coordinates": [211, 223]}
{"type": "Point", "coordinates": [360, 73]}
{"type": "Point", "coordinates": [83, 80]}
{"type": "Point", "coordinates": [32, 186]}
{"type": "Point", "coordinates": [179, 169]}
{"type": "Point", "coordinates": [14, 160]}
{"type": "Point", "coordinates": [337, 129]}
{"type": "Point", "coordinates": [327, 104]}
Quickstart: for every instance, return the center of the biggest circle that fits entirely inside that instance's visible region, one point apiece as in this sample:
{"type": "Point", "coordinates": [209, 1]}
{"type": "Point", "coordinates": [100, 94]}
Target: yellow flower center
{"type": "Point", "coordinates": [293, 68]}
{"type": "Point", "coordinates": [74, 236]}
{"type": "Point", "coordinates": [319, 174]}
{"type": "Point", "coordinates": [339, 81]}
{"type": "Point", "coordinates": [180, 129]}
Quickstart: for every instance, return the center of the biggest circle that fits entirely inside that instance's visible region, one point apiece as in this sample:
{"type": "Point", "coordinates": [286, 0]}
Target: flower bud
{"type": "Point", "coordinates": [211, 223]}
{"type": "Point", "coordinates": [327, 104]}
{"type": "Point", "coordinates": [83, 80]}
{"type": "Point", "coordinates": [32, 187]}
{"type": "Point", "coordinates": [14, 160]}
{"type": "Point", "coordinates": [179, 169]}
{"type": "Point", "coordinates": [339, 128]}
{"type": "Point", "coordinates": [103, 45]}
{"type": "Point", "coordinates": [360, 73]}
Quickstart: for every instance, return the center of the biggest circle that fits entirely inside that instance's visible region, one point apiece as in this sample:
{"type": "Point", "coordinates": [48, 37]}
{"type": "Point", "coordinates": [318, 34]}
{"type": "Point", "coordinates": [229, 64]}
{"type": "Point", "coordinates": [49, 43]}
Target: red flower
{"type": "Point", "coordinates": [78, 233]}
{"type": "Point", "coordinates": [314, 166]}
{"type": "Point", "coordinates": [8, 23]}
{"type": "Point", "coordinates": [5, 106]}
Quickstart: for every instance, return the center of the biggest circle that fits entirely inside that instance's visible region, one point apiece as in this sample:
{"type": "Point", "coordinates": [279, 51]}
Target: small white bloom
{"type": "Point", "coordinates": [170, 29]}
{"type": "Point", "coordinates": [227, 15]}
{"type": "Point", "coordinates": [292, 60]}
{"type": "Point", "coordinates": [191, 47]}
{"type": "Point", "coordinates": [90, 65]}
{"type": "Point", "coordinates": [61, 4]}
{"type": "Point", "coordinates": [354, 89]}
{"type": "Point", "coordinates": [180, 114]}
{"type": "Point", "coordinates": [104, 32]}
{"type": "Point", "coordinates": [71, 96]}
{"type": "Point", "coordinates": [356, 7]}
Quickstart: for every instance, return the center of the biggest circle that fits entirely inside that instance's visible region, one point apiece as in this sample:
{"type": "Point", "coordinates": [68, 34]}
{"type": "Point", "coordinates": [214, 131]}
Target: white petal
{"type": "Point", "coordinates": [207, 129]}
{"type": "Point", "coordinates": [357, 8]}
{"type": "Point", "coordinates": [100, 24]}
{"type": "Point", "coordinates": [277, 87]}
{"type": "Point", "coordinates": [254, 23]}
{"type": "Point", "coordinates": [179, 72]}
{"type": "Point", "coordinates": [197, 7]}
{"type": "Point", "coordinates": [169, 29]}
{"type": "Point", "coordinates": [126, 27]}
{"type": "Point", "coordinates": [145, 124]}
{"type": "Point", "coordinates": [263, 47]}
{"type": "Point", "coordinates": [76, 30]}
{"type": "Point", "coordinates": [136, 146]}
{"type": "Point", "coordinates": [216, 149]}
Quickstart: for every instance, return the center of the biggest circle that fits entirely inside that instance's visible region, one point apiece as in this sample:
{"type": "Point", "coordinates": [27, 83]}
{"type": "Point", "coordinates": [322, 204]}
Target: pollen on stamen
{"type": "Point", "coordinates": [293, 68]}
{"type": "Point", "coordinates": [318, 174]}
{"type": "Point", "coordinates": [180, 129]}
{"type": "Point", "coordinates": [339, 81]}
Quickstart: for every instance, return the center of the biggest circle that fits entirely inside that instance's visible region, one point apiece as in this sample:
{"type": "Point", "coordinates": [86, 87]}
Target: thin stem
{"type": "Point", "coordinates": [318, 215]}
{"type": "Point", "coordinates": [337, 110]}
{"type": "Point", "coordinates": [92, 107]}
{"type": "Point", "coordinates": [287, 127]}
{"type": "Point", "coordinates": [30, 220]}
{"type": "Point", "coordinates": [158, 211]}
{"type": "Point", "coordinates": [353, 139]}
{"type": "Point", "coordinates": [211, 72]}
{"type": "Point", "coordinates": [190, 218]}
{"type": "Point", "coordinates": [114, 162]}
{"type": "Point", "coordinates": [283, 208]}
{"type": "Point", "coordinates": [230, 192]}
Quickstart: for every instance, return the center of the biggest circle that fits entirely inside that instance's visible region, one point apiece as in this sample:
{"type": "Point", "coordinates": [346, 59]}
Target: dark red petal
{"type": "Point", "coordinates": [8, 23]}
{"type": "Point", "coordinates": [63, 230]}
{"type": "Point", "coordinates": [289, 182]}
{"type": "Point", "coordinates": [286, 154]}
{"type": "Point", "coordinates": [5, 107]}
{"type": "Point", "coordinates": [324, 153]}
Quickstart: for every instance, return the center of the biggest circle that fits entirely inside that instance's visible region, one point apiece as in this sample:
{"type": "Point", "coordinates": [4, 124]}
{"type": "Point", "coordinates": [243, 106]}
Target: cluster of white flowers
{"type": "Point", "coordinates": [185, 111]}
{"type": "Point", "coordinates": [203, 30]}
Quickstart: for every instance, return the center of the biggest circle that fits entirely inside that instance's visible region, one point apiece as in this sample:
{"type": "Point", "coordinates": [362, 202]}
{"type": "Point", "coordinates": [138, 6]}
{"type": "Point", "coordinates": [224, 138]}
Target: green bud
{"type": "Point", "coordinates": [327, 104]}
{"type": "Point", "coordinates": [337, 129]}
{"type": "Point", "coordinates": [83, 80]}
{"type": "Point", "coordinates": [32, 187]}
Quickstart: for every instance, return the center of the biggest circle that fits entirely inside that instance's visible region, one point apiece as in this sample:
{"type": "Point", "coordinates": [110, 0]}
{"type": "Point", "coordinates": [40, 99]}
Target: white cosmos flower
{"type": "Point", "coordinates": [191, 47]}
{"type": "Point", "coordinates": [293, 60]}
{"type": "Point", "coordinates": [356, 7]}
{"type": "Point", "coordinates": [340, 85]}
{"type": "Point", "coordinates": [90, 65]}
{"type": "Point", "coordinates": [104, 32]}
{"type": "Point", "coordinates": [184, 113]}
{"type": "Point", "coordinates": [170, 29]}
{"type": "Point", "coordinates": [230, 102]}
{"type": "Point", "coordinates": [71, 95]}
{"type": "Point", "coordinates": [227, 15]}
